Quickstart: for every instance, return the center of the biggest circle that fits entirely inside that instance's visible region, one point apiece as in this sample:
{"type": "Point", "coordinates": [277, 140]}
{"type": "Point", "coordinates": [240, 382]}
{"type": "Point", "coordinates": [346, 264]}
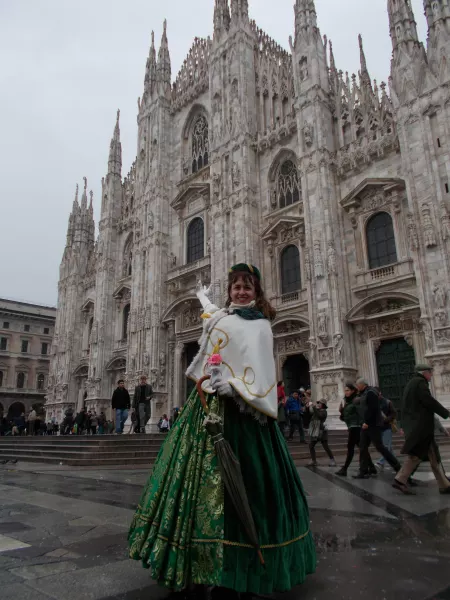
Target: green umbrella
{"type": "Point", "coordinates": [230, 471]}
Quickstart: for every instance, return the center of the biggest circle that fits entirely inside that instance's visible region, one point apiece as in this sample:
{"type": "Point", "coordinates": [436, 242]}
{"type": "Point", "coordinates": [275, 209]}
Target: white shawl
{"type": "Point", "coordinates": [248, 364]}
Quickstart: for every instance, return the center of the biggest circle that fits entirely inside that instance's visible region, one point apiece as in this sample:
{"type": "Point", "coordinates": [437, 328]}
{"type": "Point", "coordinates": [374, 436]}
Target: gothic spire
{"type": "Point", "coordinates": [239, 10]}
{"type": "Point", "coordinates": [332, 61]}
{"type": "Point", "coordinates": [151, 67]}
{"type": "Point", "coordinates": [221, 16]}
{"type": "Point", "coordinates": [164, 67]}
{"type": "Point", "coordinates": [115, 151]}
{"type": "Point", "coordinates": [364, 74]}
{"type": "Point", "coordinates": [402, 24]}
{"type": "Point", "coordinates": [75, 206]}
{"type": "Point", "coordinates": [437, 13]}
{"type": "Point", "coordinates": [305, 16]}
{"type": "Point", "coordinates": [84, 195]}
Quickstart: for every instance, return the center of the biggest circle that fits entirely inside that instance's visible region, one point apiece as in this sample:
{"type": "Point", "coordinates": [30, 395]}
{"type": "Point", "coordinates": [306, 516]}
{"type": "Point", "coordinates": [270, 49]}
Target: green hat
{"type": "Point", "coordinates": [423, 367]}
{"type": "Point", "coordinates": [244, 268]}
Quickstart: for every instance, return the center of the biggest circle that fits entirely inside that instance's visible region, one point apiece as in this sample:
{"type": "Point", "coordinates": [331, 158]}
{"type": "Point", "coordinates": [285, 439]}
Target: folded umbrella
{"type": "Point", "coordinates": [230, 471]}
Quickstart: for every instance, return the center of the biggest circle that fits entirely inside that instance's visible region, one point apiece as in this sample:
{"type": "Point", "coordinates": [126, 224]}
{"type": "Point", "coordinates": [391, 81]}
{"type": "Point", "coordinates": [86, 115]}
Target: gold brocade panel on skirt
{"type": "Point", "coordinates": [182, 507]}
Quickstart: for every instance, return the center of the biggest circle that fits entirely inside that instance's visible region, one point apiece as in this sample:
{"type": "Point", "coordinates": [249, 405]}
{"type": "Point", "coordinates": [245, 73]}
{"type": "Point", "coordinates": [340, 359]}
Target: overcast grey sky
{"type": "Point", "coordinates": [65, 68]}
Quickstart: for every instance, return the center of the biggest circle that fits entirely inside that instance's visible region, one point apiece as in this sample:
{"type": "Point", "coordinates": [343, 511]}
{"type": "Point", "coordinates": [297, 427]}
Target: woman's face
{"type": "Point", "coordinates": [242, 292]}
{"type": "Point", "coordinates": [348, 392]}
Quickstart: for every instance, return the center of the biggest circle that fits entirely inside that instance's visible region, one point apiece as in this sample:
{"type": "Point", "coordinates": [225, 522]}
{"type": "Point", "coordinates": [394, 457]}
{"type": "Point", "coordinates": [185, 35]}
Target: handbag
{"type": "Point", "coordinates": [294, 415]}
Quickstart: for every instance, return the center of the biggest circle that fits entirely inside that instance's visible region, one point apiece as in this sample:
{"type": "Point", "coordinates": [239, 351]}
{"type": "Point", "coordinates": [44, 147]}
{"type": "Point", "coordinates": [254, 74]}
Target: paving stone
{"type": "Point", "coordinates": [19, 591]}
{"type": "Point", "coordinates": [13, 527]}
{"type": "Point", "coordinates": [95, 583]}
{"type": "Point", "coordinates": [38, 571]}
{"type": "Point", "coordinates": [8, 544]}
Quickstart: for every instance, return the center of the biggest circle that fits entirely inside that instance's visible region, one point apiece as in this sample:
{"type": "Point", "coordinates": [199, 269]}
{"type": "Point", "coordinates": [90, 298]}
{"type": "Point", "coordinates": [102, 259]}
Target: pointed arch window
{"type": "Point", "coordinates": [125, 321]}
{"type": "Point", "coordinates": [20, 380]}
{"type": "Point", "coordinates": [381, 249]}
{"type": "Point", "coordinates": [40, 381]}
{"type": "Point", "coordinates": [288, 184]}
{"type": "Point", "coordinates": [195, 240]}
{"type": "Point", "coordinates": [200, 144]}
{"type": "Point", "coordinates": [290, 270]}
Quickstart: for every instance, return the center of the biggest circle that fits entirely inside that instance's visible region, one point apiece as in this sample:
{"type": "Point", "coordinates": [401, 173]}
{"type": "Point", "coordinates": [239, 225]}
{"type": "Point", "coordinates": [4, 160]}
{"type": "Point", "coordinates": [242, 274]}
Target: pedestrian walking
{"type": "Point", "coordinates": [141, 403]}
{"type": "Point", "coordinates": [164, 424]}
{"type": "Point", "coordinates": [80, 421]}
{"type": "Point", "coordinates": [371, 430]}
{"type": "Point", "coordinates": [121, 404]}
{"type": "Point", "coordinates": [418, 421]}
{"type": "Point", "coordinates": [349, 411]}
{"type": "Point", "coordinates": [390, 425]}
{"type": "Point", "coordinates": [318, 431]}
{"type": "Point", "coordinates": [294, 410]}
{"type": "Point", "coordinates": [94, 423]}
{"type": "Point", "coordinates": [32, 417]}
{"type": "Point", "coordinates": [101, 423]}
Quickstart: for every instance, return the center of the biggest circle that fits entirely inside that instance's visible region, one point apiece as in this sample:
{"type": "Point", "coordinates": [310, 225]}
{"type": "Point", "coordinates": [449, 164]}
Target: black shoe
{"type": "Point", "coordinates": [373, 471]}
{"type": "Point", "coordinates": [404, 489]}
{"type": "Point", "coordinates": [412, 482]}
{"type": "Point", "coordinates": [361, 476]}
{"type": "Point", "coordinates": [342, 472]}
{"type": "Point", "coordinates": [445, 491]}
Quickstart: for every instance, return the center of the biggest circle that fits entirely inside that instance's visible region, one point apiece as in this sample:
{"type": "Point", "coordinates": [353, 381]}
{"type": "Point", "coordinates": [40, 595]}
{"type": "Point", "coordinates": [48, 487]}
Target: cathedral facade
{"type": "Point", "coordinates": [336, 188]}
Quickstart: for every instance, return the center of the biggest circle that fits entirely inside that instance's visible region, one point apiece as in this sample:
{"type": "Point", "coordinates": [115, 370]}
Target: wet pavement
{"type": "Point", "coordinates": [63, 536]}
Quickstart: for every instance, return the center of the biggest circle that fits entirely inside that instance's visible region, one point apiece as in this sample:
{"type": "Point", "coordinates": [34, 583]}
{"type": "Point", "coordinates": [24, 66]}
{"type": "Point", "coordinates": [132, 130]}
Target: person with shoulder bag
{"type": "Point", "coordinates": [318, 431]}
{"type": "Point", "coordinates": [294, 410]}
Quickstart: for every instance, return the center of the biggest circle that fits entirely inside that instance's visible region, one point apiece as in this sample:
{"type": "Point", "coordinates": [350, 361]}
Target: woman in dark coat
{"type": "Point", "coordinates": [419, 408]}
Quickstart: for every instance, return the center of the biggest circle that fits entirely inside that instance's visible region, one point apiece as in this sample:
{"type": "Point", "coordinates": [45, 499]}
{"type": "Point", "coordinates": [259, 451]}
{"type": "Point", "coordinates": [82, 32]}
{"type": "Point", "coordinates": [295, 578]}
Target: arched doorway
{"type": "Point", "coordinates": [395, 364]}
{"type": "Point", "coordinates": [190, 352]}
{"type": "Point", "coordinates": [296, 373]}
{"type": "Point", "coordinates": [15, 410]}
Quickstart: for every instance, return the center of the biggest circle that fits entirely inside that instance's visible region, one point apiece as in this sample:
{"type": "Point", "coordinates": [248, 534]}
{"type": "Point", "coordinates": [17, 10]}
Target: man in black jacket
{"type": "Point", "coordinates": [372, 429]}
{"type": "Point", "coordinates": [141, 403]}
{"type": "Point", "coordinates": [418, 422]}
{"type": "Point", "coordinates": [121, 404]}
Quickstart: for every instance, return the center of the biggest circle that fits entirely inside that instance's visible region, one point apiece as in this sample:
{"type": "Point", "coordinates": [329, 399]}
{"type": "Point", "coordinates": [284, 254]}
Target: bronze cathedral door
{"type": "Point", "coordinates": [395, 363]}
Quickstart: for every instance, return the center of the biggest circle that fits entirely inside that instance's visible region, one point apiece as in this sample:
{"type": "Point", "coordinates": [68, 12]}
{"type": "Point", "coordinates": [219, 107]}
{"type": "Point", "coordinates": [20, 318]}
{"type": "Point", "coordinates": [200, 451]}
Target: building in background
{"type": "Point", "coordinates": [338, 188]}
{"type": "Point", "coordinates": [26, 332]}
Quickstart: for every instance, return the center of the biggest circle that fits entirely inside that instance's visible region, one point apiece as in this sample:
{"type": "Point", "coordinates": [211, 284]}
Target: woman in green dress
{"type": "Point", "coordinates": [186, 530]}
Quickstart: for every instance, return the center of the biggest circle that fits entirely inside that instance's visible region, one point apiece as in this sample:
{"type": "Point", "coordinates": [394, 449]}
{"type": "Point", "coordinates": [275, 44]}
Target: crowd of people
{"type": "Point", "coordinates": [371, 419]}
{"type": "Point", "coordinates": [299, 412]}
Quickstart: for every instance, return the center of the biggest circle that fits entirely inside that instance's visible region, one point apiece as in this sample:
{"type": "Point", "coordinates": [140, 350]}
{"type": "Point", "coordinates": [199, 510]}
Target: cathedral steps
{"type": "Point", "coordinates": [136, 450]}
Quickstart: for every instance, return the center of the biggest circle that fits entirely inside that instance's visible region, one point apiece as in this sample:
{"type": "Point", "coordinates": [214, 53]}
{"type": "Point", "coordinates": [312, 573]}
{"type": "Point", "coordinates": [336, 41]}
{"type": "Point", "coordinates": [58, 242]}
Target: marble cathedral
{"type": "Point", "coordinates": [336, 187]}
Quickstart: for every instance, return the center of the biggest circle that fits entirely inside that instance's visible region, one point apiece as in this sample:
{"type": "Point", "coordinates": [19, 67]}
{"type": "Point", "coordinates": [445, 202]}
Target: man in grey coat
{"type": "Point", "coordinates": [418, 422]}
{"type": "Point", "coordinates": [141, 404]}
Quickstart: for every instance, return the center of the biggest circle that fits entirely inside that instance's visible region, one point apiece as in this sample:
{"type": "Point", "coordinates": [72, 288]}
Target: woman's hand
{"type": "Point", "coordinates": [223, 388]}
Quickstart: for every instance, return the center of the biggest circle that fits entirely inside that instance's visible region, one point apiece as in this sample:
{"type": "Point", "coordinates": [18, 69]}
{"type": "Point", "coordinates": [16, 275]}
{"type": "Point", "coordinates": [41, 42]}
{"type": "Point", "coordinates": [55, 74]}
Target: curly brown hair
{"type": "Point", "coordinates": [262, 304]}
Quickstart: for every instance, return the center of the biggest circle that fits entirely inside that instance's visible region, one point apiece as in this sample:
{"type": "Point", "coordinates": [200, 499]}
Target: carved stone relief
{"type": "Point", "coordinates": [412, 233]}
{"type": "Point", "coordinates": [429, 232]}
{"type": "Point", "coordinates": [339, 348]}
{"type": "Point", "coordinates": [308, 133]}
{"type": "Point", "coordinates": [326, 355]}
{"type": "Point", "coordinates": [331, 256]}
{"type": "Point", "coordinates": [318, 261]}
{"type": "Point", "coordinates": [191, 318]}
{"type": "Point", "coordinates": [440, 297]}
{"type": "Point", "coordinates": [322, 326]}
{"type": "Point", "coordinates": [443, 336]}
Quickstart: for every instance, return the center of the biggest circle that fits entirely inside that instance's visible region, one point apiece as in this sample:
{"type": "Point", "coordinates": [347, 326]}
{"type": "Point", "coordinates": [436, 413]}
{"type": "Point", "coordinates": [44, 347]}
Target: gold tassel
{"type": "Point", "coordinates": [216, 349]}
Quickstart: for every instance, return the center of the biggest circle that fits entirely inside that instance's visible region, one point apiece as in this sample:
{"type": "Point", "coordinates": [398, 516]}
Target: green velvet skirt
{"type": "Point", "coordinates": [185, 529]}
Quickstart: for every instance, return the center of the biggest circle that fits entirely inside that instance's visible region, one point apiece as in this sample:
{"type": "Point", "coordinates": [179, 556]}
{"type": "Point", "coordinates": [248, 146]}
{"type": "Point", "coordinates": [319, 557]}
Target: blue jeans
{"type": "Point", "coordinates": [121, 417]}
{"type": "Point", "coordinates": [387, 442]}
